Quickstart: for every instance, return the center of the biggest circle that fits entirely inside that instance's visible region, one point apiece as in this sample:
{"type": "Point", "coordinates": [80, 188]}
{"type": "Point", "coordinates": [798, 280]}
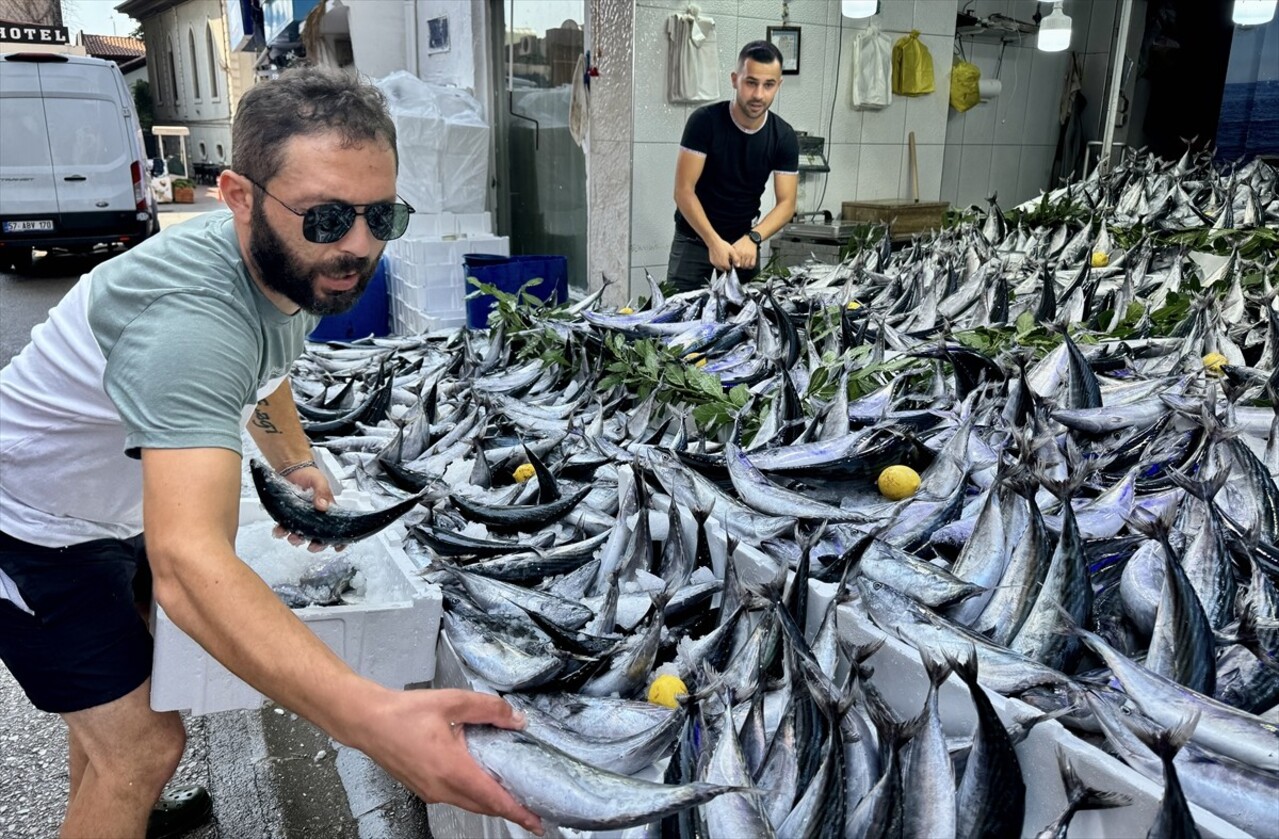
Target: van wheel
{"type": "Point", "coordinates": [20, 258]}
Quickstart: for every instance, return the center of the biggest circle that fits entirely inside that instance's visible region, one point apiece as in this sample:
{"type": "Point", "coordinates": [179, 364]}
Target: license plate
{"type": "Point", "coordinates": [27, 226]}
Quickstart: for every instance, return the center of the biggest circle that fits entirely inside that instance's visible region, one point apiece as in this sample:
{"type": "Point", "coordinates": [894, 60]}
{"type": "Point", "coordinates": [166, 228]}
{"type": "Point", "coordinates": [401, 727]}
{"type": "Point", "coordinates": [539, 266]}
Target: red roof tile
{"type": "Point", "coordinates": [112, 46]}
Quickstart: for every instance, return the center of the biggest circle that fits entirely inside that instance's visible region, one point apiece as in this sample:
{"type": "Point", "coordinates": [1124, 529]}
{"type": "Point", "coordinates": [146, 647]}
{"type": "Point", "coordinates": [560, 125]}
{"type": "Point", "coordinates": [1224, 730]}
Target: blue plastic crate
{"type": "Point", "coordinates": [508, 274]}
{"type": "Point", "coordinates": [371, 315]}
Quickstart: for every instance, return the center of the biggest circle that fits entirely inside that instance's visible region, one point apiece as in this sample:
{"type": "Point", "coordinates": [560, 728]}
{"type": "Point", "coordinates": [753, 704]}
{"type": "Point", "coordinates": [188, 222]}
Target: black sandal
{"type": "Point", "coordinates": [179, 809]}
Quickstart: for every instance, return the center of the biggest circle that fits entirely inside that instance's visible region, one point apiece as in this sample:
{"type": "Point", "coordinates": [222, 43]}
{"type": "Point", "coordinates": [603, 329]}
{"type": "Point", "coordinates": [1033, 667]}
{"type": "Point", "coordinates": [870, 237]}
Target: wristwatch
{"type": "Point", "coordinates": [754, 236]}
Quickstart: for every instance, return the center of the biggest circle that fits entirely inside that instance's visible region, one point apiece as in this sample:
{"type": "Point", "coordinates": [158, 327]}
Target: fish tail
{"type": "Point", "coordinates": [965, 667]}
{"type": "Point", "coordinates": [938, 670]}
{"type": "Point", "coordinates": [1080, 796]}
{"type": "Point", "coordinates": [1164, 742]}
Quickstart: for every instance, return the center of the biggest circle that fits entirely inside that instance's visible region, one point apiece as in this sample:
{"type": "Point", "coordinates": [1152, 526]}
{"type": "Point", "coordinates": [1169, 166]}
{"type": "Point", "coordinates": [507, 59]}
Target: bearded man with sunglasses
{"type": "Point", "coordinates": [124, 413]}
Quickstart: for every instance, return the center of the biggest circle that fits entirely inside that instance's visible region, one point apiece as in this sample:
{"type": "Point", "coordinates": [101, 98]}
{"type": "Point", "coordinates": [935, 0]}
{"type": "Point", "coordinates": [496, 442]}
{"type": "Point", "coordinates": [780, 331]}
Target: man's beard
{"type": "Point", "coordinates": [282, 272]}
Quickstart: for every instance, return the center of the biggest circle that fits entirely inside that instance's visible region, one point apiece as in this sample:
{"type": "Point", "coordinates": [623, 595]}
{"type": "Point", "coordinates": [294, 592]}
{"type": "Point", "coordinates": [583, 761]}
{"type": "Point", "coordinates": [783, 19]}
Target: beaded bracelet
{"type": "Point", "coordinates": [289, 470]}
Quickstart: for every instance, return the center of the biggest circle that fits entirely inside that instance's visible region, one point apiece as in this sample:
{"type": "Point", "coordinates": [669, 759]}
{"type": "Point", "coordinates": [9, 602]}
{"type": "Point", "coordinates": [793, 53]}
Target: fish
{"type": "Point", "coordinates": [296, 513]}
{"type": "Point", "coordinates": [567, 792]}
{"type": "Point", "coordinates": [990, 800]}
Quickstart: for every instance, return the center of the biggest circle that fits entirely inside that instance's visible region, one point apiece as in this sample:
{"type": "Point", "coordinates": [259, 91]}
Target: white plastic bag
{"type": "Point", "coordinates": [872, 87]}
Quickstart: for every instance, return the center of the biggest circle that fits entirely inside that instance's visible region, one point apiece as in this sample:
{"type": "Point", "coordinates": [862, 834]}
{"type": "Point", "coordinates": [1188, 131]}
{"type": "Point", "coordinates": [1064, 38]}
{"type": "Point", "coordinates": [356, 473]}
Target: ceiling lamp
{"type": "Point", "coordinates": [1054, 31]}
{"type": "Point", "coordinates": [863, 8]}
{"type": "Point", "coordinates": [1252, 12]}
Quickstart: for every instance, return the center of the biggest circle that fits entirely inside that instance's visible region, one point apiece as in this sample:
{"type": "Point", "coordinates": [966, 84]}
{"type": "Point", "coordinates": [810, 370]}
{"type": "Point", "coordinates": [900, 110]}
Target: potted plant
{"type": "Point", "coordinates": [183, 191]}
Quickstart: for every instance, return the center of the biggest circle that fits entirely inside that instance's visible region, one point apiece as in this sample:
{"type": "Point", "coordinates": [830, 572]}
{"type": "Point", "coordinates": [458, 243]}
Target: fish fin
{"type": "Point", "coordinates": [1205, 490]}
{"type": "Point", "coordinates": [1082, 796]}
{"type": "Point", "coordinates": [938, 670]}
{"type": "Point", "coordinates": [1164, 742]}
{"type": "Point", "coordinates": [964, 667]}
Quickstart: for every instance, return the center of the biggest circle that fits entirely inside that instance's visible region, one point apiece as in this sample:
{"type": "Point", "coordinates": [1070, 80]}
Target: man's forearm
{"type": "Point", "coordinates": [277, 429]}
{"type": "Point", "coordinates": [690, 208]}
{"type": "Point", "coordinates": [777, 218]}
{"type": "Point", "coordinates": [228, 610]}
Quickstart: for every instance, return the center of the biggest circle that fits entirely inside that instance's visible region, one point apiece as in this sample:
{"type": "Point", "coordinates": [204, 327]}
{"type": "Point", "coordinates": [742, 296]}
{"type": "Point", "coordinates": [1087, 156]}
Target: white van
{"type": "Point", "coordinates": [73, 169]}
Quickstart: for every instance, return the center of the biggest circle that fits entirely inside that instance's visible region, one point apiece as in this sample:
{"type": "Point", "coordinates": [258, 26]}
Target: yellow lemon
{"type": "Point", "coordinates": [693, 356]}
{"type": "Point", "coordinates": [853, 304]}
{"type": "Point", "coordinates": [523, 472]}
{"type": "Point", "coordinates": [1213, 362]}
{"type": "Point", "coordinates": [1100, 259]}
{"type": "Point", "coordinates": [626, 310]}
{"type": "Point", "coordinates": [701, 362]}
{"type": "Point", "coordinates": [898, 482]}
{"type": "Point", "coordinates": [664, 690]}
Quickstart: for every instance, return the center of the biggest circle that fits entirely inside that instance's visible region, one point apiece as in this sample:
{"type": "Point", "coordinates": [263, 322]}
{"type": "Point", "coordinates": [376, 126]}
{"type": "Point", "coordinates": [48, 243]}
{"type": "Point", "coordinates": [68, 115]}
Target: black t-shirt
{"type": "Point", "coordinates": [738, 166]}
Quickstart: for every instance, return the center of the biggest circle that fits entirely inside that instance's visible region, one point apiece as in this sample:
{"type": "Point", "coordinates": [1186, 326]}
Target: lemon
{"type": "Point", "coordinates": [853, 304]}
{"type": "Point", "coordinates": [701, 362]}
{"type": "Point", "coordinates": [898, 482]}
{"type": "Point", "coordinates": [664, 690]}
{"type": "Point", "coordinates": [626, 310]}
{"type": "Point", "coordinates": [523, 472]}
{"type": "Point", "coordinates": [693, 356]}
{"type": "Point", "coordinates": [1100, 259]}
{"type": "Point", "coordinates": [1213, 362]}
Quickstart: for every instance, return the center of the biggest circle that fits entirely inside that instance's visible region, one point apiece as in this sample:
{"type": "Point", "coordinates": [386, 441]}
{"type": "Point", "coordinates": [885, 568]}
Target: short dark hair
{"type": "Point", "coordinates": [305, 101]}
{"type": "Point", "coordinates": [765, 52]}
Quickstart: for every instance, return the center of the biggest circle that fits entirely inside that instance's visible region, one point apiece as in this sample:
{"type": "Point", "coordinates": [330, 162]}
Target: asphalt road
{"type": "Point", "coordinates": [271, 774]}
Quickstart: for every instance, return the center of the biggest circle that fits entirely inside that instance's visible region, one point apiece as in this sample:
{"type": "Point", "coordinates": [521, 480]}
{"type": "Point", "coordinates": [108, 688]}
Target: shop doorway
{"type": "Point", "coordinates": [540, 169]}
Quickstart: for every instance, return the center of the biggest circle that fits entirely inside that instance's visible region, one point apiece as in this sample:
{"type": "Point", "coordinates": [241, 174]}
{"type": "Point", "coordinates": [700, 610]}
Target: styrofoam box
{"type": "Point", "coordinates": [900, 677]}
{"type": "Point", "coordinates": [415, 251]}
{"type": "Point", "coordinates": [448, 225]}
{"type": "Point", "coordinates": [392, 643]}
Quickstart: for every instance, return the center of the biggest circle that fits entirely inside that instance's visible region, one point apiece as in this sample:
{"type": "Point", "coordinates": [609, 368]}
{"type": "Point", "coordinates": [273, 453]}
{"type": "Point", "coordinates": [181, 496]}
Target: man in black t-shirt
{"type": "Point", "coordinates": [726, 155]}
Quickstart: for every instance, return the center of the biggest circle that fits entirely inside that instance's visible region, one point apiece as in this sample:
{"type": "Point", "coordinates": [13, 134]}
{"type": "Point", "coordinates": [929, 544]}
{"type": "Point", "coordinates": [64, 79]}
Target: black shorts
{"type": "Point", "coordinates": [87, 644]}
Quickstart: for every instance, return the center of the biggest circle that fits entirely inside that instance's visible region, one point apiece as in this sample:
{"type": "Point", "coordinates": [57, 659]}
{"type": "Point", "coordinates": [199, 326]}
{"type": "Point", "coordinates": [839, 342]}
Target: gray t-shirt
{"type": "Point", "coordinates": [169, 345]}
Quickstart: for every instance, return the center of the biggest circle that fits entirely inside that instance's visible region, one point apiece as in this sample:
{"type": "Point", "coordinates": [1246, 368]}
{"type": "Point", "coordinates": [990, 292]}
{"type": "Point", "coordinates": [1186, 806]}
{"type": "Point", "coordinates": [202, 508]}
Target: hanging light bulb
{"type": "Point", "coordinates": [1054, 31]}
{"type": "Point", "coordinates": [1253, 12]}
{"type": "Point", "coordinates": [859, 8]}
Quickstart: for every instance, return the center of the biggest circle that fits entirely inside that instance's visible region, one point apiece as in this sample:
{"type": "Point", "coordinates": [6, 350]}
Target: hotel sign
{"type": "Point", "coordinates": [32, 33]}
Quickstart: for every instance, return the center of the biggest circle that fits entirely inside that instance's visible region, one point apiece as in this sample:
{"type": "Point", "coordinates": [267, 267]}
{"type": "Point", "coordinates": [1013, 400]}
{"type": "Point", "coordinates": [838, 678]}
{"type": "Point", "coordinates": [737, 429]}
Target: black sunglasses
{"type": "Point", "coordinates": [325, 224]}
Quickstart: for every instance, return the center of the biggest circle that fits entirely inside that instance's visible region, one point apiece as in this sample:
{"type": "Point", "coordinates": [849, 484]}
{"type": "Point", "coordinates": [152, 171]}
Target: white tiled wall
{"type": "Point", "coordinates": [1006, 146]}
{"type": "Point", "coordinates": [867, 150]}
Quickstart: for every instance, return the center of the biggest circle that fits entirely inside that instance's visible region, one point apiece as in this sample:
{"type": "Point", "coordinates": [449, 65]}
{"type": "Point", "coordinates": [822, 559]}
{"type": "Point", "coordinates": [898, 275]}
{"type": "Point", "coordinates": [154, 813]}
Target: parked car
{"type": "Point", "coordinates": [73, 166]}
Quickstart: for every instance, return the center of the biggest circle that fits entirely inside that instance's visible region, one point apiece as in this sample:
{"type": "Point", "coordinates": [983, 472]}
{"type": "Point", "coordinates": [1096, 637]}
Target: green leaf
{"type": "Point", "coordinates": [1025, 323]}
{"type": "Point", "coordinates": [739, 395]}
{"type": "Point", "coordinates": [818, 380]}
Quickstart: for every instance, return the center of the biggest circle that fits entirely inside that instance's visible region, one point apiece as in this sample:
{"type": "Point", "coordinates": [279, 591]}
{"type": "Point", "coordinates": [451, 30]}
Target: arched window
{"type": "Point", "coordinates": [158, 78]}
{"type": "Point", "coordinates": [195, 65]}
{"type": "Point", "coordinates": [173, 75]}
{"type": "Point", "coordinates": [213, 61]}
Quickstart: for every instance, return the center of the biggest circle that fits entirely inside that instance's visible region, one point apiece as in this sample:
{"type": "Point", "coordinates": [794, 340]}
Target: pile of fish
{"type": "Point", "coordinates": [1091, 406]}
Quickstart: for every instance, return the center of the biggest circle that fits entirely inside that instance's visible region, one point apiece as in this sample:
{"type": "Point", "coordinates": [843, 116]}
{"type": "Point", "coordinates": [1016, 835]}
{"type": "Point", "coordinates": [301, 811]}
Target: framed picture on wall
{"type": "Point", "coordinates": [437, 29]}
{"type": "Point", "coordinates": [786, 39]}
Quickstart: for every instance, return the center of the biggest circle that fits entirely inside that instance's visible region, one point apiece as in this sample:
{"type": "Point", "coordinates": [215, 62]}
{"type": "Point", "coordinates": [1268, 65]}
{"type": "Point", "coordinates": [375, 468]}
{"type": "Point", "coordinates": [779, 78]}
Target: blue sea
{"type": "Point", "coordinates": [1249, 121]}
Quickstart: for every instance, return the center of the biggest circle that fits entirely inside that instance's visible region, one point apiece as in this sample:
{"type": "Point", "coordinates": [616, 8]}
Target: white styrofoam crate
{"type": "Point", "coordinates": [450, 225]}
{"type": "Point", "coordinates": [443, 320]}
{"type": "Point", "coordinates": [418, 251]}
{"type": "Point", "coordinates": [392, 643]}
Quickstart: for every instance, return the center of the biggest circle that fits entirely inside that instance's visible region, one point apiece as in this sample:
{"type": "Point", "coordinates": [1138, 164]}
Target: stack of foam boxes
{"type": "Point", "coordinates": [426, 279]}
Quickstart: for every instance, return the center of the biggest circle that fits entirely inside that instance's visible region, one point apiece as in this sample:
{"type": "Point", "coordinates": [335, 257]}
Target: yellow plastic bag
{"type": "Point", "coordinates": [964, 76]}
{"type": "Point", "coordinates": [912, 66]}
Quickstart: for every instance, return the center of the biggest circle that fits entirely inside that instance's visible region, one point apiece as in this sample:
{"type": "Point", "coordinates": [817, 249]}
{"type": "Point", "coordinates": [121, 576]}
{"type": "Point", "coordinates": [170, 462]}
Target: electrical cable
{"type": "Point", "coordinates": [834, 104]}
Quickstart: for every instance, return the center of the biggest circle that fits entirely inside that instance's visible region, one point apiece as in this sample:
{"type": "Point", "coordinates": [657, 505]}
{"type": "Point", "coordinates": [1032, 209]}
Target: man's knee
{"type": "Point", "coordinates": [151, 759]}
{"type": "Point", "coordinates": [130, 741]}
